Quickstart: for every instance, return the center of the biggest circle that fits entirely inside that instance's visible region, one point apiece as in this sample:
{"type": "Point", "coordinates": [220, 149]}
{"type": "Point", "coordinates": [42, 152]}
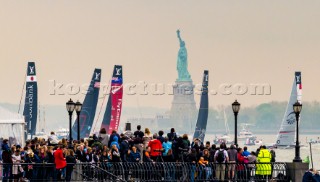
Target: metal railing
{"type": "Point", "coordinates": [159, 171]}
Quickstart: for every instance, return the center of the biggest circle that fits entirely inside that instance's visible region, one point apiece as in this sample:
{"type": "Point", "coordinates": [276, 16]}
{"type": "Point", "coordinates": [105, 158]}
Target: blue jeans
{"type": "Point", "coordinates": [192, 172]}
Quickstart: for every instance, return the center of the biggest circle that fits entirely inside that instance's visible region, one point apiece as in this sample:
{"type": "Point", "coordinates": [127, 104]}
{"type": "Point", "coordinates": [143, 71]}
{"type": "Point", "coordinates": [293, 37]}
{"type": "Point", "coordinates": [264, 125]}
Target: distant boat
{"type": "Point", "coordinates": [253, 141]}
{"type": "Point", "coordinates": [41, 134]}
{"type": "Point", "coordinates": [89, 107]}
{"type": "Point", "coordinates": [111, 118]}
{"type": "Point", "coordinates": [225, 138]}
{"type": "Point", "coordinates": [245, 133]}
{"type": "Point", "coordinates": [201, 125]}
{"type": "Point", "coordinates": [62, 133]}
{"type": "Point", "coordinates": [31, 101]}
{"type": "Point", "coordinates": [287, 132]}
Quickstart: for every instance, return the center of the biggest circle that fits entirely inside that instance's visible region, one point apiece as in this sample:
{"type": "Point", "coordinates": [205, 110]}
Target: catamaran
{"type": "Point", "coordinates": [111, 118]}
{"type": "Point", "coordinates": [201, 125]}
{"type": "Point", "coordinates": [287, 132]}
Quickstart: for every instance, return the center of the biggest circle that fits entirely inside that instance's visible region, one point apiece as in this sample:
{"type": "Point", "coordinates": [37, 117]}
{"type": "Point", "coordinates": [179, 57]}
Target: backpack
{"type": "Point", "coordinates": [220, 156]}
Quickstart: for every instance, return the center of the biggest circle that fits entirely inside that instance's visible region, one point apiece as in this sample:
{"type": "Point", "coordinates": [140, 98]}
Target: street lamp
{"type": "Point", "coordinates": [235, 108]}
{"type": "Point", "coordinates": [78, 106]}
{"type": "Point", "coordinates": [70, 108]}
{"type": "Point", "coordinates": [297, 107]}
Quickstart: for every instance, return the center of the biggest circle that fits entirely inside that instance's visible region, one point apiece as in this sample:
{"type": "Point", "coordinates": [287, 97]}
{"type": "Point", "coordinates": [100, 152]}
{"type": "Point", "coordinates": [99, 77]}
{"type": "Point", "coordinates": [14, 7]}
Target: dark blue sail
{"type": "Point", "coordinates": [31, 100]}
{"type": "Point", "coordinates": [201, 125]}
{"type": "Point", "coordinates": [107, 115]}
{"type": "Point", "coordinates": [88, 108]}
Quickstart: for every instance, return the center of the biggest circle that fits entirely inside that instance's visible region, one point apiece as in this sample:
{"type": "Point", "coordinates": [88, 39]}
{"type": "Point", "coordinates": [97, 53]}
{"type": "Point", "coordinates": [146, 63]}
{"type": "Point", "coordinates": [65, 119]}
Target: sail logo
{"type": "Point", "coordinates": [298, 77]}
{"type": "Point", "coordinates": [206, 78]}
{"type": "Point", "coordinates": [31, 69]}
{"type": "Point", "coordinates": [115, 89]}
{"type": "Point", "coordinates": [290, 118]}
{"type": "Point", "coordinates": [97, 76]}
{"type": "Point", "coordinates": [118, 71]}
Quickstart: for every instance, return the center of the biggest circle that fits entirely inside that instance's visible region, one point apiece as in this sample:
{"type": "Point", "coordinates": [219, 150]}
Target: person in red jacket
{"type": "Point", "coordinates": [60, 161]}
{"type": "Point", "coordinates": [156, 147]}
{"type": "Point", "coordinates": [240, 166]}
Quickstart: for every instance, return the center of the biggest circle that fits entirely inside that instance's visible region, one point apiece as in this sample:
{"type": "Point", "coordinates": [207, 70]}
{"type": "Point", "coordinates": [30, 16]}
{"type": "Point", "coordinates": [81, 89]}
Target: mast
{"type": "Point", "coordinates": [226, 122]}
{"type": "Point", "coordinates": [89, 107]}
{"type": "Point", "coordinates": [201, 125]}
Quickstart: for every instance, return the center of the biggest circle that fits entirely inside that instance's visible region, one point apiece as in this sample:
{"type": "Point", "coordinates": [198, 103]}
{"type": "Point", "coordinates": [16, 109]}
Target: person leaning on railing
{"type": "Point", "coordinates": [264, 169]}
{"type": "Point", "coordinates": [221, 158]}
{"type": "Point", "coordinates": [146, 155]}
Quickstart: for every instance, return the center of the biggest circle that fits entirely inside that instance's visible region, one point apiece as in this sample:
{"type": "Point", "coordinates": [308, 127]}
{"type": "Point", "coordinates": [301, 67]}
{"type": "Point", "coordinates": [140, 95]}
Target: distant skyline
{"type": "Point", "coordinates": [247, 42]}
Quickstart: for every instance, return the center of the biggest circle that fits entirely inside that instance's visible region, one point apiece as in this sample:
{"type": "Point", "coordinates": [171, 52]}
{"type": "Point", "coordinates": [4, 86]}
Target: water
{"type": "Point", "coordinates": [285, 155]}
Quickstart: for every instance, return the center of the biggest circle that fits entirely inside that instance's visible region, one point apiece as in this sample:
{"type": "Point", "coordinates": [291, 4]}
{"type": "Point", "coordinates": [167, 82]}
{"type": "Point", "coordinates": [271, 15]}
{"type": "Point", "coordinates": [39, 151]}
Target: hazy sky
{"type": "Point", "coordinates": [237, 41]}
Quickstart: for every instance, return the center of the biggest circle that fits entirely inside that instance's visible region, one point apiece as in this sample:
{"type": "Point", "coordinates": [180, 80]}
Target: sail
{"type": "Point", "coordinates": [89, 107]}
{"type": "Point", "coordinates": [226, 122]}
{"type": "Point", "coordinates": [201, 125]}
{"type": "Point", "coordinates": [111, 118]}
{"type": "Point", "coordinates": [286, 135]}
{"type": "Point", "coordinates": [107, 115]}
{"type": "Point", "coordinates": [31, 100]}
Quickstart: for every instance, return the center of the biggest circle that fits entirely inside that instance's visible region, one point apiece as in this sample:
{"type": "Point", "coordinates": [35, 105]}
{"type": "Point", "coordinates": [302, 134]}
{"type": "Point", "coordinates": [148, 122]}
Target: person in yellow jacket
{"type": "Point", "coordinates": [264, 168]}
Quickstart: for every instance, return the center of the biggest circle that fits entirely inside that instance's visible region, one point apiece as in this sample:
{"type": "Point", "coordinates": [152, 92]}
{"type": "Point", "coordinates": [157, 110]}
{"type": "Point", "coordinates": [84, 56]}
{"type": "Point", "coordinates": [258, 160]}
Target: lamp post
{"type": "Point", "coordinates": [236, 108]}
{"type": "Point", "coordinates": [70, 108]}
{"type": "Point", "coordinates": [297, 109]}
{"type": "Point", "coordinates": [78, 107]}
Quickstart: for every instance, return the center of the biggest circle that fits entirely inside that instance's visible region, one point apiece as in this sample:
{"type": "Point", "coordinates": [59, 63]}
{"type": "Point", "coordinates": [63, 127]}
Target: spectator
{"type": "Point", "coordinates": [115, 155]}
{"type": "Point", "coordinates": [245, 152]}
{"type": "Point", "coordinates": [52, 139]}
{"type": "Point", "coordinates": [221, 158]}
{"type": "Point", "coordinates": [111, 138]}
{"type": "Point", "coordinates": [124, 149]}
{"type": "Point", "coordinates": [233, 156]}
{"type": "Point", "coordinates": [134, 155]}
{"type": "Point", "coordinates": [172, 135]}
{"type": "Point", "coordinates": [166, 145]}
{"type": "Point", "coordinates": [104, 137]}
{"type": "Point", "coordinates": [71, 161]}
{"type": "Point", "coordinates": [50, 160]}
{"type": "Point", "coordinates": [147, 157]}
{"type": "Point", "coordinates": [156, 147]}
{"type": "Point", "coordinates": [147, 137]}
{"type": "Point", "coordinates": [160, 137]}
{"type": "Point", "coordinates": [263, 170]}
{"type": "Point", "coordinates": [17, 169]}
{"type": "Point", "coordinates": [7, 160]}
{"type": "Point", "coordinates": [115, 141]}
{"type": "Point", "coordinates": [80, 154]}
{"type": "Point", "coordinates": [138, 141]}
{"type": "Point", "coordinates": [60, 161]}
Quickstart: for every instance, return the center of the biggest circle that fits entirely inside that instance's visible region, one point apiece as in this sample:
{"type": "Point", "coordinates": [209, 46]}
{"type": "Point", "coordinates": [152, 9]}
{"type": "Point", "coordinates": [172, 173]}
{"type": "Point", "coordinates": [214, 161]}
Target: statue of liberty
{"type": "Point", "coordinates": [182, 64]}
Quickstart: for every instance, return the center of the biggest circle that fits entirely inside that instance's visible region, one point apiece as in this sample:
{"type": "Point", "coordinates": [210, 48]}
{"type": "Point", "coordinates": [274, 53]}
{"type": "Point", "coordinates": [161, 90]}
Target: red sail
{"type": "Point", "coordinates": [113, 111]}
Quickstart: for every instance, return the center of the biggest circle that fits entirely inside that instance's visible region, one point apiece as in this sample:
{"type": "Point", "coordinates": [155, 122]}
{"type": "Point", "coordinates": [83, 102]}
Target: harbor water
{"type": "Point", "coordinates": [285, 155]}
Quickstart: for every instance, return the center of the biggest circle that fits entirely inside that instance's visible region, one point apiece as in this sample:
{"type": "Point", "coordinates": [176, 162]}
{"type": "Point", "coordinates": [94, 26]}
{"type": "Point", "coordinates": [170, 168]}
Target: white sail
{"type": "Point", "coordinates": [286, 135]}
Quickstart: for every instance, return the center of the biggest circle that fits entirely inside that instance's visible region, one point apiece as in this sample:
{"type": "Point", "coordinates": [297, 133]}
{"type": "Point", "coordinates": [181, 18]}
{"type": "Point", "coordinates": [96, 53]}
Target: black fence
{"type": "Point", "coordinates": [160, 171]}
